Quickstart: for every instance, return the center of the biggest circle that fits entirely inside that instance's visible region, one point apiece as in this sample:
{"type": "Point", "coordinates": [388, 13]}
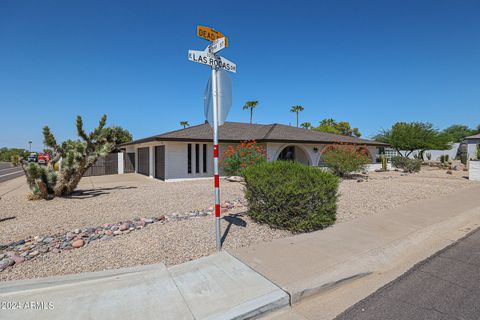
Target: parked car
{"type": "Point", "coordinates": [44, 158]}
{"type": "Point", "coordinates": [32, 157]}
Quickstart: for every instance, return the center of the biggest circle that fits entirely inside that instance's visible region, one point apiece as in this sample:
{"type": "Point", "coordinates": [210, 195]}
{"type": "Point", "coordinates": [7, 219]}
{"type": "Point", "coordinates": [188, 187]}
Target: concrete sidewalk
{"type": "Point", "coordinates": [215, 287]}
{"type": "Point", "coordinates": [318, 262]}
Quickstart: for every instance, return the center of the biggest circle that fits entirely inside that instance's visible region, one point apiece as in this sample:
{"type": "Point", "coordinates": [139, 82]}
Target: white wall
{"type": "Point", "coordinates": [472, 149]}
{"type": "Point", "coordinates": [474, 170]}
{"type": "Point", "coordinates": [176, 160]}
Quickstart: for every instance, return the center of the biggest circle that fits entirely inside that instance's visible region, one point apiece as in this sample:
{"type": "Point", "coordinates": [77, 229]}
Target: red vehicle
{"type": "Point", "coordinates": [44, 158]}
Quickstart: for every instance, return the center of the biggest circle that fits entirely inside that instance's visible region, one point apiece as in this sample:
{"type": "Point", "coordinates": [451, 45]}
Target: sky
{"type": "Point", "coordinates": [371, 63]}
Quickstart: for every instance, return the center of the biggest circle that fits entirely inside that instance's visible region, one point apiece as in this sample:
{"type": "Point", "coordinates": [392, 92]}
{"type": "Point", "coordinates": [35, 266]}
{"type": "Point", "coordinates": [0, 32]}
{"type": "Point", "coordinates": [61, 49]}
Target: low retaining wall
{"type": "Point", "coordinates": [474, 170]}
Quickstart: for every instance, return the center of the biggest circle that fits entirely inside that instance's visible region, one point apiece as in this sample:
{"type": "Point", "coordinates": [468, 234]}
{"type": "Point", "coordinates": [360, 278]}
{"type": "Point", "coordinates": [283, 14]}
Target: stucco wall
{"type": "Point", "coordinates": [474, 170]}
{"type": "Point", "coordinates": [176, 160]}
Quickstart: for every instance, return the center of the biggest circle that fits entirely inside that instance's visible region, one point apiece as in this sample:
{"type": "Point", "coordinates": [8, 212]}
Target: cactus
{"type": "Point", "coordinates": [383, 160]}
{"type": "Point", "coordinates": [77, 157]}
{"type": "Point", "coordinates": [429, 156]}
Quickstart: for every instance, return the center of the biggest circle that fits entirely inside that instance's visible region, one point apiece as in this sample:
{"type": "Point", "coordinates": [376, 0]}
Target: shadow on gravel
{"type": "Point", "coordinates": [91, 193]}
{"type": "Point", "coordinates": [235, 220]}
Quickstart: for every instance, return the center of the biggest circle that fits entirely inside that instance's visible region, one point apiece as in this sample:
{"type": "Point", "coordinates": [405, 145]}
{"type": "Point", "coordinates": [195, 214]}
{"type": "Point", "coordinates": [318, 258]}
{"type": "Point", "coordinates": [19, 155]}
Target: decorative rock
{"type": "Point", "coordinates": [38, 239]}
{"type": "Point", "coordinates": [2, 256]}
{"type": "Point", "coordinates": [147, 220]}
{"type": "Point", "coordinates": [76, 231]}
{"type": "Point", "coordinates": [114, 227]}
{"type": "Point", "coordinates": [6, 262]}
{"type": "Point", "coordinates": [360, 180]}
{"type": "Point", "coordinates": [235, 179]}
{"type": "Point", "coordinates": [24, 254]}
{"type": "Point", "coordinates": [20, 242]}
{"type": "Point", "coordinates": [48, 240]}
{"type": "Point", "coordinates": [78, 243]}
{"type": "Point", "coordinates": [69, 236]}
{"type": "Point", "coordinates": [123, 227]}
{"type": "Point", "coordinates": [449, 172]}
{"type": "Point", "coordinates": [17, 259]}
{"type": "Point", "coordinates": [117, 232]}
{"type": "Point", "coordinates": [34, 253]}
{"type": "Point", "coordinates": [109, 232]}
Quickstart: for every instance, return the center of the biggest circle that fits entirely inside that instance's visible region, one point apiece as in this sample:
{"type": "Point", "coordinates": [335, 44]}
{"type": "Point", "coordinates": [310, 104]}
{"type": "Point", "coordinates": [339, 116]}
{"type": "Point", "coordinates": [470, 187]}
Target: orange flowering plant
{"type": "Point", "coordinates": [246, 154]}
{"type": "Point", "coordinates": [344, 159]}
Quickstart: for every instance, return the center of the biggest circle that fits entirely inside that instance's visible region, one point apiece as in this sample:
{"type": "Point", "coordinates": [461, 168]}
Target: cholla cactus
{"type": "Point", "coordinates": [76, 157]}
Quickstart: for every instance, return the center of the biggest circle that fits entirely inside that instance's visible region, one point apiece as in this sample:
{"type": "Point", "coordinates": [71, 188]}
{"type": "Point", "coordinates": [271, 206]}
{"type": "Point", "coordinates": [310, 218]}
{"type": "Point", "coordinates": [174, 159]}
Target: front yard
{"type": "Point", "coordinates": [110, 199]}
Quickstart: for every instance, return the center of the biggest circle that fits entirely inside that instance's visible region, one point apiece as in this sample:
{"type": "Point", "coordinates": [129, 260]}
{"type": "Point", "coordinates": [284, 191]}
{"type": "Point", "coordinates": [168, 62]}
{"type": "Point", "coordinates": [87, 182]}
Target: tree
{"type": "Point", "coordinates": [342, 128]}
{"type": "Point", "coordinates": [296, 109]}
{"type": "Point", "coordinates": [77, 157]}
{"type": "Point", "coordinates": [458, 132]}
{"type": "Point", "coordinates": [6, 154]}
{"type": "Point", "coordinates": [408, 137]}
{"type": "Point", "coordinates": [306, 125]}
{"type": "Point", "coordinates": [118, 134]}
{"type": "Point", "coordinates": [250, 105]}
{"type": "Point", "coordinates": [184, 124]}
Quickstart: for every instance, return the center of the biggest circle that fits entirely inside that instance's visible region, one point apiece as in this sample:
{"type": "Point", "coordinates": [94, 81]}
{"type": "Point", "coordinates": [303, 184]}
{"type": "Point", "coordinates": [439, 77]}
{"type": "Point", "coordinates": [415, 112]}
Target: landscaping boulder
{"type": "Point", "coordinates": [235, 179]}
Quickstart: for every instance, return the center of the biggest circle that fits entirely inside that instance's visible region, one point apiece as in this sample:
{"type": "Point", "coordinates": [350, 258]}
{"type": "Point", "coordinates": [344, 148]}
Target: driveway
{"type": "Point", "coordinates": [445, 286]}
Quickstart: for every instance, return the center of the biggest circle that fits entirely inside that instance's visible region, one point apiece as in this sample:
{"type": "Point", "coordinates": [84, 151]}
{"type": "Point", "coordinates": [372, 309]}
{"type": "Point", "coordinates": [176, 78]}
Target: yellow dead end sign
{"type": "Point", "coordinates": [210, 34]}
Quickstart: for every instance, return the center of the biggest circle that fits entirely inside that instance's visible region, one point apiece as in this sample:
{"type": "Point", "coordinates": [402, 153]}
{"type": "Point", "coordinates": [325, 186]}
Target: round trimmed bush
{"type": "Point", "coordinates": [291, 196]}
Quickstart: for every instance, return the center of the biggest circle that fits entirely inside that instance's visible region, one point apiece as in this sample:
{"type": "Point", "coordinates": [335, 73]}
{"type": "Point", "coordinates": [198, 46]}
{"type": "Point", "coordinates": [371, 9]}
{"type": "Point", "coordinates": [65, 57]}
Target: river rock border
{"type": "Point", "coordinates": [27, 249]}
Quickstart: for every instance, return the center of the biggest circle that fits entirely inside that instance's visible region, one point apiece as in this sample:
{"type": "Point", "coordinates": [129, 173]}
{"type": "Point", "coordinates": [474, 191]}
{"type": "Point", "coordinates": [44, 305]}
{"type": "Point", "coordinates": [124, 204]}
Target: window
{"type": "Point", "coordinates": [197, 158]}
{"type": "Point", "coordinates": [204, 158]}
{"type": "Point", "coordinates": [189, 158]}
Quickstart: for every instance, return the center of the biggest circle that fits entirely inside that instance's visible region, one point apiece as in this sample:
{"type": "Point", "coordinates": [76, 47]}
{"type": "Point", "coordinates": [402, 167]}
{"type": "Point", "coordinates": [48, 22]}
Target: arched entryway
{"type": "Point", "coordinates": [294, 153]}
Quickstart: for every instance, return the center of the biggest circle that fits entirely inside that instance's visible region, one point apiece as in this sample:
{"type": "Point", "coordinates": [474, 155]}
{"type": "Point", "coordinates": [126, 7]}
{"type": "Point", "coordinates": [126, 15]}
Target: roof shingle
{"type": "Point", "coordinates": [237, 131]}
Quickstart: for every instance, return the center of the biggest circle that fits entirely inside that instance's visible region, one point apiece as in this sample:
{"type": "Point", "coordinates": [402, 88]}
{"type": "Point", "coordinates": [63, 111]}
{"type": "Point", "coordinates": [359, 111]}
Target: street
{"type": "Point", "coordinates": [7, 172]}
{"type": "Point", "coordinates": [444, 286]}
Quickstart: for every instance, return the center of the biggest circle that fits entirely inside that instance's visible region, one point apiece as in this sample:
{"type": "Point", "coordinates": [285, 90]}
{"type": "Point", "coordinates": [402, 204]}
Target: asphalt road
{"type": "Point", "coordinates": [8, 172]}
{"type": "Point", "coordinates": [445, 286]}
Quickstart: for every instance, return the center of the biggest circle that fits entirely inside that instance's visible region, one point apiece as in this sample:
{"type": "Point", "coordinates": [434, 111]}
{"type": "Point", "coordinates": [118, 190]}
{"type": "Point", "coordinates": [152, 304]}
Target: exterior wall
{"type": "Point", "coordinates": [176, 156]}
{"type": "Point", "coordinates": [472, 148]}
{"type": "Point", "coordinates": [452, 153]}
{"type": "Point", "coordinates": [176, 160]}
{"type": "Point", "coordinates": [474, 170]}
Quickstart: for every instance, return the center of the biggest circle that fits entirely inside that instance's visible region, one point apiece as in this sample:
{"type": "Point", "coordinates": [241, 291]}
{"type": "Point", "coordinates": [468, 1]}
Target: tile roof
{"type": "Point", "coordinates": [237, 131]}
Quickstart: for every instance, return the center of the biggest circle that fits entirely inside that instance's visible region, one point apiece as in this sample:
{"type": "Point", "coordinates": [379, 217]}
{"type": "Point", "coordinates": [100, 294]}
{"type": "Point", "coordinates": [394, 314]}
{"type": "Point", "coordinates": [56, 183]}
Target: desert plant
{"type": "Point", "coordinates": [384, 162]}
{"type": "Point", "coordinates": [442, 158]}
{"type": "Point", "coordinates": [478, 152]}
{"type": "Point", "coordinates": [77, 157]}
{"type": "Point", "coordinates": [447, 158]}
{"type": "Point", "coordinates": [344, 159]}
{"type": "Point", "coordinates": [246, 154]}
{"type": "Point", "coordinates": [292, 196]}
{"type": "Point", "coordinates": [429, 156]}
{"type": "Point", "coordinates": [15, 160]}
{"type": "Point", "coordinates": [406, 164]}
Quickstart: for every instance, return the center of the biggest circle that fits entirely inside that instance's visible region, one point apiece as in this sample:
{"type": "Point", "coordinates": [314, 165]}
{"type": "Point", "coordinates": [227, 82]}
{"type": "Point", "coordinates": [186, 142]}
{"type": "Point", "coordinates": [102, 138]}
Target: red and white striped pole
{"type": "Point", "coordinates": [215, 159]}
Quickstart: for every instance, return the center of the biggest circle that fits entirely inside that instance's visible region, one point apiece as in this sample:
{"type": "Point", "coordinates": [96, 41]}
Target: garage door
{"type": "Point", "coordinates": [160, 162]}
{"type": "Point", "coordinates": [129, 162]}
{"type": "Point", "coordinates": [143, 161]}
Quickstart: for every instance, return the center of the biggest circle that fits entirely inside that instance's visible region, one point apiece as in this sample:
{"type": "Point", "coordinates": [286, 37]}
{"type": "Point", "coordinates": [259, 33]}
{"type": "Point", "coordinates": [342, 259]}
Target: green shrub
{"type": "Point", "coordinates": [406, 164]}
{"type": "Point", "coordinates": [345, 159]}
{"type": "Point", "coordinates": [291, 196]}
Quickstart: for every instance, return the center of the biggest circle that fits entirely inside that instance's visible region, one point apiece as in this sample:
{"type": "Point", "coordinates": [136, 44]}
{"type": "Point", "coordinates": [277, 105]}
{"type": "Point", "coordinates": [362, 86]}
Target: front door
{"type": "Point", "coordinates": [160, 162]}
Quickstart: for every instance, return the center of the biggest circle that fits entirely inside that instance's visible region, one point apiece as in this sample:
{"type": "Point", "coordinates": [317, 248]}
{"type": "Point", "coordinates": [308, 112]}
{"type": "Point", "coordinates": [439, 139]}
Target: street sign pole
{"type": "Point", "coordinates": [216, 62]}
{"type": "Point", "coordinates": [215, 159]}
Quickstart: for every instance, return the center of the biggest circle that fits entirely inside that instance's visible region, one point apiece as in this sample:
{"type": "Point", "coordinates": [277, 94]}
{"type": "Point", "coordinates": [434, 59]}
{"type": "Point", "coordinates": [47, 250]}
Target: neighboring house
{"type": "Point", "coordinates": [473, 143]}
{"type": "Point", "coordinates": [188, 153]}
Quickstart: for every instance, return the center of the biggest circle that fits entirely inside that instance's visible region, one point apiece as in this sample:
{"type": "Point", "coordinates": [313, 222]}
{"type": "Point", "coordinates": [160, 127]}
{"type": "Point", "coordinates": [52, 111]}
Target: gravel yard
{"type": "Point", "coordinates": [110, 199]}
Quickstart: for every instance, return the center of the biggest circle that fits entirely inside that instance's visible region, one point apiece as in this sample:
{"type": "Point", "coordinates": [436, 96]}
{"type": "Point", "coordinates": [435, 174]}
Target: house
{"type": "Point", "coordinates": [188, 153]}
{"type": "Point", "coordinates": [473, 144]}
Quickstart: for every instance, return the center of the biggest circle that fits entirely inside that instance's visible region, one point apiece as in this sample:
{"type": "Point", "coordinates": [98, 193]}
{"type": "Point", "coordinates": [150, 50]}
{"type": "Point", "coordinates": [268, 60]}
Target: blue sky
{"type": "Point", "coordinates": [368, 62]}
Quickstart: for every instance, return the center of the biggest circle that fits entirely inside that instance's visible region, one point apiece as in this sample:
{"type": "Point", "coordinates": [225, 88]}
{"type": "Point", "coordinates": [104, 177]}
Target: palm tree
{"type": "Point", "coordinates": [250, 105]}
{"type": "Point", "coordinates": [296, 109]}
{"type": "Point", "coordinates": [184, 124]}
{"type": "Point", "coordinates": [306, 125]}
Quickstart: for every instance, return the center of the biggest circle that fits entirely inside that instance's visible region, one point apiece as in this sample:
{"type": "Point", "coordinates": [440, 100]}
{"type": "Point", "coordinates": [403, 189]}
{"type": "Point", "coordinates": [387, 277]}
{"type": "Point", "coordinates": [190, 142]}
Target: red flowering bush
{"type": "Point", "coordinates": [246, 154]}
{"type": "Point", "coordinates": [344, 159]}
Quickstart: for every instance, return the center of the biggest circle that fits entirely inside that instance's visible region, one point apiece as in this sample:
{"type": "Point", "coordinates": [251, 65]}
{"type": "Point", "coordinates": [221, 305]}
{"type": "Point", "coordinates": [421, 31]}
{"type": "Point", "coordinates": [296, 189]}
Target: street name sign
{"type": "Point", "coordinates": [217, 45]}
{"type": "Point", "coordinates": [211, 60]}
{"type": "Point", "coordinates": [210, 34]}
